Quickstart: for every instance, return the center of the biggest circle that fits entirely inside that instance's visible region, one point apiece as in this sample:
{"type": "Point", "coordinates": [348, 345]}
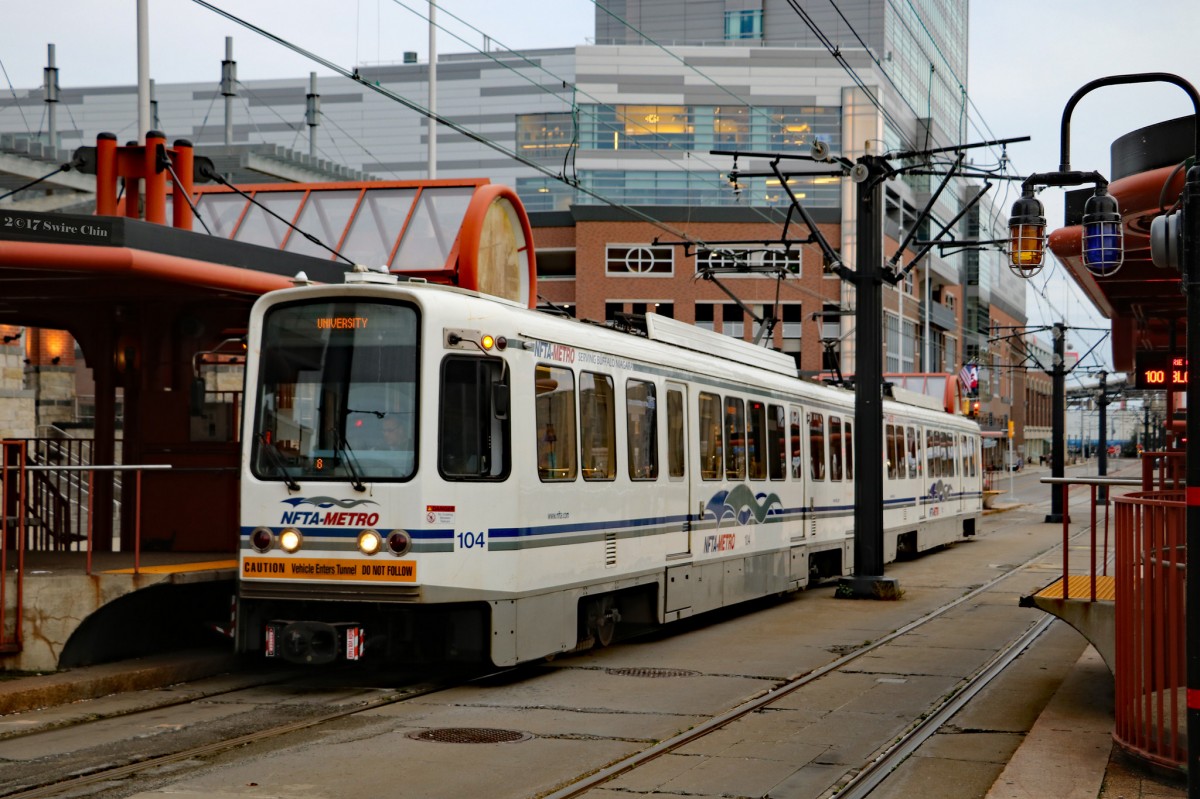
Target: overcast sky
{"type": "Point", "coordinates": [1027, 57]}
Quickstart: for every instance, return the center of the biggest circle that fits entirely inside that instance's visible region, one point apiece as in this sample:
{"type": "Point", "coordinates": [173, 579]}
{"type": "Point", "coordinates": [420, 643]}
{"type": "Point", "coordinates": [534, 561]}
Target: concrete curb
{"type": "Point", "coordinates": [1066, 752]}
{"type": "Point", "coordinates": [89, 682]}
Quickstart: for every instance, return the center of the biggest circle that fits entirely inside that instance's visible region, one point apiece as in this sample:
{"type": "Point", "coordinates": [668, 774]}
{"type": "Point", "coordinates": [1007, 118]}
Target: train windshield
{"type": "Point", "coordinates": [337, 392]}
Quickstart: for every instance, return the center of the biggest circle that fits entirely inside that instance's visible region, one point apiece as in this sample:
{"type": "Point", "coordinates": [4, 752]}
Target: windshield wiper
{"type": "Point", "coordinates": [278, 462]}
{"type": "Point", "coordinates": [343, 446]}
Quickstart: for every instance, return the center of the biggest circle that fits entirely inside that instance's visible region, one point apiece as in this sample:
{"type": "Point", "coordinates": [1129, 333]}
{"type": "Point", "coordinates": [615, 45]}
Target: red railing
{"type": "Point", "coordinates": [12, 543]}
{"type": "Point", "coordinates": [24, 484]}
{"type": "Point", "coordinates": [1151, 684]}
{"type": "Point", "coordinates": [1098, 553]}
{"type": "Point", "coordinates": [1163, 470]}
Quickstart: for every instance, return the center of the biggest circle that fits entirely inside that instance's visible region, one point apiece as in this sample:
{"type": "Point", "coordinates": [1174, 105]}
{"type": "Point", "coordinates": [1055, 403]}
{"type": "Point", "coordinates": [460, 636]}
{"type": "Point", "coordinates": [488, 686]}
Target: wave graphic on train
{"type": "Point", "coordinates": [328, 502]}
{"type": "Point", "coordinates": [941, 491]}
{"type": "Point", "coordinates": [742, 504]}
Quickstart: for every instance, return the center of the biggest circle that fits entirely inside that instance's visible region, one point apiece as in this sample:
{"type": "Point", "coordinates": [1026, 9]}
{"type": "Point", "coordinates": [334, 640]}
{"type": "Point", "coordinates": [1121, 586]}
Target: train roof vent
{"type": "Point", "coordinates": [913, 398]}
{"type": "Point", "coordinates": [690, 337]}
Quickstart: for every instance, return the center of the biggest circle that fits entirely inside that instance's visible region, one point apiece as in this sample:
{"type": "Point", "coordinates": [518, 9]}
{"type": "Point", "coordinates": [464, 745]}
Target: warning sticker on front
{"type": "Point", "coordinates": [396, 571]}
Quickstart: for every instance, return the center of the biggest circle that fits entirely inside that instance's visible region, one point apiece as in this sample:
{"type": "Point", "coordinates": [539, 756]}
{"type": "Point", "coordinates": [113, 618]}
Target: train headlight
{"type": "Point", "coordinates": [399, 542]}
{"type": "Point", "coordinates": [369, 542]}
{"type": "Point", "coordinates": [290, 539]}
{"type": "Point", "coordinates": [262, 539]}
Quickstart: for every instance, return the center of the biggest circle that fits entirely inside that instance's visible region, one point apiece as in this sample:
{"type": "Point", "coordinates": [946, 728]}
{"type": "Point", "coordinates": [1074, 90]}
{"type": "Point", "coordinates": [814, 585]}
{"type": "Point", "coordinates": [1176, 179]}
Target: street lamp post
{"type": "Point", "coordinates": [1102, 256]}
{"type": "Point", "coordinates": [1102, 439]}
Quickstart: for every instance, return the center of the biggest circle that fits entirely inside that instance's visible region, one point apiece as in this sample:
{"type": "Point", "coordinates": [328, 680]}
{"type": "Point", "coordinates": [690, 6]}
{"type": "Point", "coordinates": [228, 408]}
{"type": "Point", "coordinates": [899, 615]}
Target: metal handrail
{"type": "Point", "coordinates": [1093, 483]}
{"type": "Point", "coordinates": [137, 469]}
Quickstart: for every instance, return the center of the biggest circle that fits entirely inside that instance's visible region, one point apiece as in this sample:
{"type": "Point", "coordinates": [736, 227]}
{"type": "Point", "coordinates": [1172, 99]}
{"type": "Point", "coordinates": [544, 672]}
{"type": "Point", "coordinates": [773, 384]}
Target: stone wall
{"type": "Point", "coordinates": [16, 401]}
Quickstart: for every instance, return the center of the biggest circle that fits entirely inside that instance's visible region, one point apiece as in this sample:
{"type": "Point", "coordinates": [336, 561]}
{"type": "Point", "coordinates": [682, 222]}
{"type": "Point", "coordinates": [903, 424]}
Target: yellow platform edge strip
{"type": "Point", "coordinates": [1079, 586]}
{"type": "Point", "coordinates": [176, 568]}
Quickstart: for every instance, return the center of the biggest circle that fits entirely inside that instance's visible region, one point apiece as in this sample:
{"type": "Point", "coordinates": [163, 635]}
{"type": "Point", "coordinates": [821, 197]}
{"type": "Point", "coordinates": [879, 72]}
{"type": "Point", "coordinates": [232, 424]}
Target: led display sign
{"type": "Point", "coordinates": [1161, 370]}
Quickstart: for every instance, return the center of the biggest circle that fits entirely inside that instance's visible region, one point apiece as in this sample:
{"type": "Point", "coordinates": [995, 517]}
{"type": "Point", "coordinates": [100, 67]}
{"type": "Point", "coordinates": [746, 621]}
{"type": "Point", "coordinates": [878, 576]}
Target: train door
{"type": "Point", "coordinates": [796, 472]}
{"type": "Point", "coordinates": [677, 486]}
{"type": "Point", "coordinates": [964, 464]}
{"type": "Point", "coordinates": [923, 471]}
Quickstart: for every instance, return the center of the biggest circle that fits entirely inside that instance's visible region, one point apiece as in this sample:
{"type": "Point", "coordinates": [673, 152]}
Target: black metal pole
{"type": "Point", "coordinates": [868, 580]}
{"type": "Point", "coordinates": [1146, 444]}
{"type": "Point", "coordinates": [1102, 440]}
{"type": "Point", "coordinates": [1191, 279]}
{"type": "Point", "coordinates": [1058, 426]}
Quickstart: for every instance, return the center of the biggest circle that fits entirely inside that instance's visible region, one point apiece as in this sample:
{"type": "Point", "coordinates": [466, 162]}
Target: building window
{"type": "Point", "coordinates": [831, 332]}
{"type": "Point", "coordinates": [793, 315]}
{"type": "Point", "coordinates": [545, 194]}
{"type": "Point", "coordinates": [892, 336]}
{"type": "Point", "coordinates": [703, 127]}
{"type": "Point", "coordinates": [908, 350]}
{"type": "Point", "coordinates": [741, 25]}
{"type": "Point", "coordinates": [746, 259]}
{"type": "Point", "coordinates": [639, 259]}
{"type": "Point", "coordinates": [733, 320]}
{"type": "Point", "coordinates": [704, 315]}
{"type": "Point", "coordinates": [545, 134]}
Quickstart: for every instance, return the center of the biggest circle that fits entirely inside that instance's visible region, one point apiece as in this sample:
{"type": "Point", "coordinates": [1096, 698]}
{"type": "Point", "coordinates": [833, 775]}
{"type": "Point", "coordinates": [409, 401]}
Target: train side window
{"type": "Point", "coordinates": [797, 453]}
{"type": "Point", "coordinates": [914, 463]}
{"type": "Point", "coordinates": [965, 454]}
{"type": "Point", "coordinates": [835, 448]}
{"type": "Point", "coordinates": [931, 456]}
{"type": "Point", "coordinates": [735, 439]}
{"type": "Point", "coordinates": [816, 445]}
{"type": "Point", "coordinates": [676, 442]}
{"type": "Point", "coordinates": [974, 455]}
{"type": "Point", "coordinates": [889, 450]}
{"type": "Point", "coordinates": [641, 409]}
{"type": "Point", "coordinates": [554, 389]}
{"type": "Point", "coordinates": [849, 450]}
{"type": "Point", "coordinates": [473, 436]}
{"type": "Point", "coordinates": [951, 461]}
{"type": "Point", "coordinates": [756, 443]}
{"type": "Point", "coordinates": [776, 442]}
{"type": "Point", "coordinates": [597, 426]}
{"type": "Point", "coordinates": [712, 454]}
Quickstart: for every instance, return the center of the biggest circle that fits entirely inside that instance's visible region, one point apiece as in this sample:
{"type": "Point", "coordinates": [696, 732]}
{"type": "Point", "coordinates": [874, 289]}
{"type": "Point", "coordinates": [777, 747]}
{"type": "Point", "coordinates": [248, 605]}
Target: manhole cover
{"type": "Point", "coordinates": [649, 672]}
{"type": "Point", "coordinates": [470, 735]}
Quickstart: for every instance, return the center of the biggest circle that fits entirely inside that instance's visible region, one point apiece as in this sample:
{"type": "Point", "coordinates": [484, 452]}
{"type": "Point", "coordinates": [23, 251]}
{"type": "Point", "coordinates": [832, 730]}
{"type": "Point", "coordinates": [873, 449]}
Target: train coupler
{"type": "Point", "coordinates": [313, 642]}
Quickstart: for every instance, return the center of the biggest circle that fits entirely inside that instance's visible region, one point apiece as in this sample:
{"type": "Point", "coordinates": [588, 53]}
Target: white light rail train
{"type": "Point", "coordinates": [435, 474]}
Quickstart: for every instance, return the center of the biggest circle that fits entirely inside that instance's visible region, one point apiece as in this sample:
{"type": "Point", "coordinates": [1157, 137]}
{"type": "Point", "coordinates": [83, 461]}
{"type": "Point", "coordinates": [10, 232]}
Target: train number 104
{"type": "Point", "coordinates": [471, 540]}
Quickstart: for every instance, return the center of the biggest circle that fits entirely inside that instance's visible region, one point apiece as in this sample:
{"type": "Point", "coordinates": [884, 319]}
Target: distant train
{"type": "Point", "coordinates": [432, 473]}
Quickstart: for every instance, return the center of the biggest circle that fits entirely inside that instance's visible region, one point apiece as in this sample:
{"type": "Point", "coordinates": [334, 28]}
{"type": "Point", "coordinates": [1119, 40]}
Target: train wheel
{"type": "Point", "coordinates": [602, 618]}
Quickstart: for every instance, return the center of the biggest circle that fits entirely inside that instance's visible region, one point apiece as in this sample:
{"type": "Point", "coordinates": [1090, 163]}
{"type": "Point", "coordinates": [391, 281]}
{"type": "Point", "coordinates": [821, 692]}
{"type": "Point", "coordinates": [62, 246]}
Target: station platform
{"type": "Point", "coordinates": [123, 608]}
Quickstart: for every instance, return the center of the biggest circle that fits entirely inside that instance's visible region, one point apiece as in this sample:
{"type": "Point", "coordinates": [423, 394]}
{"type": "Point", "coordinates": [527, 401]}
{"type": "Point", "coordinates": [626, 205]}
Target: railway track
{"type": "Point", "coordinates": [113, 776]}
{"type": "Point", "coordinates": [50, 778]}
{"type": "Point", "coordinates": [871, 773]}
